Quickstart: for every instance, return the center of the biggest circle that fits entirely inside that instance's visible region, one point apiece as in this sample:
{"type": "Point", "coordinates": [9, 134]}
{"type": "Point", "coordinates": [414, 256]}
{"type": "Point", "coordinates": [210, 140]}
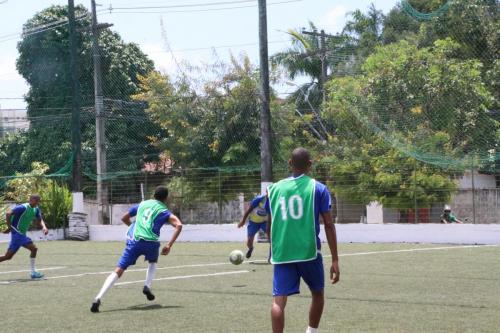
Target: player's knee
{"type": "Point", "coordinates": [8, 256]}
{"type": "Point", "coordinates": [34, 250]}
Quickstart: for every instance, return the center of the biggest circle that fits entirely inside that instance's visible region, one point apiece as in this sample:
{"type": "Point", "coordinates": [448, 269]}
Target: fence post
{"type": "Point", "coordinates": [415, 191]}
{"type": "Point", "coordinates": [473, 194]}
{"type": "Point", "coordinates": [220, 197]}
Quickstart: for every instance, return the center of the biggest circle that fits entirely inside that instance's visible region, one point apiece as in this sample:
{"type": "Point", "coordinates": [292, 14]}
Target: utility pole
{"type": "Point", "coordinates": [322, 53]}
{"type": "Point", "coordinates": [75, 103]}
{"type": "Point", "coordinates": [100, 141]}
{"type": "Point", "coordinates": [266, 166]}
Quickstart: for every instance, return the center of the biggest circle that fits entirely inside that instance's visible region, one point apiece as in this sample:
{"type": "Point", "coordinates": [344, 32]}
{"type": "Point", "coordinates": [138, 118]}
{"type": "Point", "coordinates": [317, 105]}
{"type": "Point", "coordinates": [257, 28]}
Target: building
{"type": "Point", "coordinates": [12, 120]}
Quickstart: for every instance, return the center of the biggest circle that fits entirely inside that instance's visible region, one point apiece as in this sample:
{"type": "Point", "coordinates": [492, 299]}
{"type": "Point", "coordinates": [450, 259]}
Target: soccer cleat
{"type": "Point", "coordinates": [149, 295]}
{"type": "Point", "coordinates": [95, 306]}
{"type": "Point", "coordinates": [36, 275]}
{"type": "Point", "coordinates": [249, 253]}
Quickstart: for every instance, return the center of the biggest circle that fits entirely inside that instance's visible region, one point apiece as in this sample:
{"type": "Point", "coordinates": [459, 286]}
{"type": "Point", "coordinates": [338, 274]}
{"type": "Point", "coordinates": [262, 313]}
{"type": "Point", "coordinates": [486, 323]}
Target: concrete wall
{"type": "Point", "coordinates": [487, 205]}
{"type": "Point", "coordinates": [481, 181]}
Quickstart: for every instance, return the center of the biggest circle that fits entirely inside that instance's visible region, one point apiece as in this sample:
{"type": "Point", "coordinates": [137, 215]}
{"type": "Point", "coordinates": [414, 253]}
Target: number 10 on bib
{"type": "Point", "coordinates": [293, 230]}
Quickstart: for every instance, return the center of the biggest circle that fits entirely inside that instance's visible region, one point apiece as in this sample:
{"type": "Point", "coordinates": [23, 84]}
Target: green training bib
{"type": "Point", "coordinates": [293, 231]}
{"type": "Point", "coordinates": [147, 212]}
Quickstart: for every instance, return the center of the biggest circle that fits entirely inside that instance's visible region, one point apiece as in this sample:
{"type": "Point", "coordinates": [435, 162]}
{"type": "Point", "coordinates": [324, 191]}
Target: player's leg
{"type": "Point", "coordinates": [152, 252]}
{"type": "Point", "coordinates": [286, 282]}
{"type": "Point", "coordinates": [30, 246]}
{"type": "Point", "coordinates": [252, 230]}
{"type": "Point", "coordinates": [14, 245]}
{"type": "Point", "coordinates": [7, 256]}
{"type": "Point", "coordinates": [128, 258]}
{"type": "Point", "coordinates": [313, 274]}
{"type": "Point", "coordinates": [278, 313]}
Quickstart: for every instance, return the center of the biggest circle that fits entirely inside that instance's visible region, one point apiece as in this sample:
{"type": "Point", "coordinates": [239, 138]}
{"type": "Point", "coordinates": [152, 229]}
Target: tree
{"type": "Point", "coordinates": [44, 63]}
{"type": "Point", "coordinates": [407, 104]}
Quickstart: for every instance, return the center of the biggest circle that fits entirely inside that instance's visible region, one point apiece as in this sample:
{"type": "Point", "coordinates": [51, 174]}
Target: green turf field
{"type": "Point", "coordinates": [381, 290]}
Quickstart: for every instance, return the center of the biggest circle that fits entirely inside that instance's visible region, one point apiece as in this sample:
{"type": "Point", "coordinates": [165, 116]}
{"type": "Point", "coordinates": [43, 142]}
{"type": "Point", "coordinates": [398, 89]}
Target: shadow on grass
{"type": "Point", "coordinates": [145, 307]}
{"type": "Point", "coordinates": [8, 282]}
{"type": "Point", "coordinates": [342, 299]}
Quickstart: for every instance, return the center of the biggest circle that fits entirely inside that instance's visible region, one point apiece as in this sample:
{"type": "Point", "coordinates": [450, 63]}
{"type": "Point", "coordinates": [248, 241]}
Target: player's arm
{"type": "Point", "coordinates": [177, 224]}
{"type": "Point", "coordinates": [126, 218]}
{"type": "Point", "coordinates": [8, 216]}
{"type": "Point", "coordinates": [331, 237]}
{"type": "Point", "coordinates": [40, 222]}
{"type": "Point", "coordinates": [245, 216]}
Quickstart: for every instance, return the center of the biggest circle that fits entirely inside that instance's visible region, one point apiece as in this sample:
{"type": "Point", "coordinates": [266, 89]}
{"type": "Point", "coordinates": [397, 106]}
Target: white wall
{"type": "Point", "coordinates": [481, 181]}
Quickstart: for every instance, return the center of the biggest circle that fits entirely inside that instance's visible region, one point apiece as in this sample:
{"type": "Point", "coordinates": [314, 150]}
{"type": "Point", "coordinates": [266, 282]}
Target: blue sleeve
{"type": "Point", "coordinates": [325, 200]}
{"type": "Point", "coordinates": [38, 213]}
{"type": "Point", "coordinates": [133, 210]}
{"type": "Point", "coordinates": [18, 210]}
{"type": "Point", "coordinates": [163, 217]}
{"type": "Point", "coordinates": [268, 206]}
{"type": "Point", "coordinates": [256, 201]}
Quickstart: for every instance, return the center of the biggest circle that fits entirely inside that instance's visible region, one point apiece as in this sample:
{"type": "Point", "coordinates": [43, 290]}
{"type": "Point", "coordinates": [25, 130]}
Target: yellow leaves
{"type": "Point", "coordinates": [416, 110]}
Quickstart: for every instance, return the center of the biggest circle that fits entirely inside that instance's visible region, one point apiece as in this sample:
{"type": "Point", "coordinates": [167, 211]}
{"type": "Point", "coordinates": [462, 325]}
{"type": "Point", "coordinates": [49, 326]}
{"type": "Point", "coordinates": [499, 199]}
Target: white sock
{"type": "Point", "coordinates": [150, 275]}
{"type": "Point", "coordinates": [32, 262]}
{"type": "Point", "coordinates": [312, 330]}
{"type": "Point", "coordinates": [110, 281]}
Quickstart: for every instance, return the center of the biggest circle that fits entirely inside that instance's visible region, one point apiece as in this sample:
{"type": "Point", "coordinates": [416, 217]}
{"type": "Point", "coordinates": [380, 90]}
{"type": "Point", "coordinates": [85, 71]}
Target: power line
{"type": "Point", "coordinates": [206, 4]}
{"type": "Point", "coordinates": [131, 10]}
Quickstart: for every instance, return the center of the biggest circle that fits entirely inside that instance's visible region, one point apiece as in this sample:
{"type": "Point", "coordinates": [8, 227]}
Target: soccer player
{"type": "Point", "coordinates": [143, 239]}
{"type": "Point", "coordinates": [18, 221]}
{"type": "Point", "coordinates": [257, 221]}
{"type": "Point", "coordinates": [295, 205]}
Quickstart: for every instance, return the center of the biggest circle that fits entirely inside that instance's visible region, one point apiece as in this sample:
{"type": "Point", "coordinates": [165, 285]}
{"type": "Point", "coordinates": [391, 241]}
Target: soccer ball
{"type": "Point", "coordinates": [236, 257]}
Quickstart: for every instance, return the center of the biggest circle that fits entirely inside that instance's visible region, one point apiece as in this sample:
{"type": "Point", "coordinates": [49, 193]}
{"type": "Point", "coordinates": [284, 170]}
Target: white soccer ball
{"type": "Point", "coordinates": [236, 257]}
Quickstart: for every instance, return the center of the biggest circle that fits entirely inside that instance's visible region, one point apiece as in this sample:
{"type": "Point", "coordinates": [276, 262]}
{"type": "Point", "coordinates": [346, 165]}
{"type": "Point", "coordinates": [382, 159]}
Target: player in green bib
{"type": "Point", "coordinates": [295, 205]}
{"type": "Point", "coordinates": [18, 221]}
{"type": "Point", "coordinates": [143, 239]}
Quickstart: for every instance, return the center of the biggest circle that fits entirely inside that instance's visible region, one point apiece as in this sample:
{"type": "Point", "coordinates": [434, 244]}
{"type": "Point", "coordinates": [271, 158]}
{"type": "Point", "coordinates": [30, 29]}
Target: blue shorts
{"type": "Point", "coordinates": [286, 279]}
{"type": "Point", "coordinates": [253, 228]}
{"type": "Point", "coordinates": [18, 240]}
{"type": "Point", "coordinates": [149, 249]}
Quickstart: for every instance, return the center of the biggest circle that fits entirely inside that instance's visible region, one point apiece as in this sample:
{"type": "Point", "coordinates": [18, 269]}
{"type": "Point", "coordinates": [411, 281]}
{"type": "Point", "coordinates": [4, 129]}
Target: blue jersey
{"type": "Point", "coordinates": [159, 221]}
{"type": "Point", "coordinates": [322, 204]}
{"type": "Point", "coordinates": [17, 213]}
{"type": "Point", "coordinates": [259, 212]}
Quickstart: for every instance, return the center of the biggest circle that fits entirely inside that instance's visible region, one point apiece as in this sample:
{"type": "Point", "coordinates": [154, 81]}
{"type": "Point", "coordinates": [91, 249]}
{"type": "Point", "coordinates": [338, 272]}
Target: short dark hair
{"type": "Point", "coordinates": [161, 193]}
{"type": "Point", "coordinates": [35, 196]}
{"type": "Point", "coordinates": [301, 159]}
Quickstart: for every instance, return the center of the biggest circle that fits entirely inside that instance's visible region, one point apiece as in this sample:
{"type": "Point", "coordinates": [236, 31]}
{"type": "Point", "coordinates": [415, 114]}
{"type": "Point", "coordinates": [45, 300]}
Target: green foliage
{"type": "Point", "coordinates": [56, 200]}
{"type": "Point", "coordinates": [44, 62]}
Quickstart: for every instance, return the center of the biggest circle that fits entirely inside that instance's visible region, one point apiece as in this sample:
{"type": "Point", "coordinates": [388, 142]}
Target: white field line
{"type": "Point", "coordinates": [181, 277]}
{"type": "Point", "coordinates": [29, 270]}
{"type": "Point", "coordinates": [255, 261]}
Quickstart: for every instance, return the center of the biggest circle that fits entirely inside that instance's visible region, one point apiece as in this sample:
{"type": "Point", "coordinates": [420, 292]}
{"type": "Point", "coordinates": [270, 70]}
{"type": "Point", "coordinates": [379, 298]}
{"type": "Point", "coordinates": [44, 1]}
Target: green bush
{"type": "Point", "coordinates": [56, 200]}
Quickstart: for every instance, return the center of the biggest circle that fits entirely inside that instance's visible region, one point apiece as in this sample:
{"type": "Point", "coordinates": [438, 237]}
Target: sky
{"type": "Point", "coordinates": [193, 32]}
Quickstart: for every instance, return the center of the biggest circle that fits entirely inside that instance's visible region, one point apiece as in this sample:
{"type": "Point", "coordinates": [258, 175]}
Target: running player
{"type": "Point", "coordinates": [143, 239]}
{"type": "Point", "coordinates": [295, 205]}
{"type": "Point", "coordinates": [257, 221]}
{"type": "Point", "coordinates": [18, 221]}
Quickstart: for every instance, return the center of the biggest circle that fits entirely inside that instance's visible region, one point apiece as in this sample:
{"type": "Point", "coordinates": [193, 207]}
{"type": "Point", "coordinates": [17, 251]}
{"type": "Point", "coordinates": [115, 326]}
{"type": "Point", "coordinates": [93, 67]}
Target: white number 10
{"type": "Point", "coordinates": [295, 205]}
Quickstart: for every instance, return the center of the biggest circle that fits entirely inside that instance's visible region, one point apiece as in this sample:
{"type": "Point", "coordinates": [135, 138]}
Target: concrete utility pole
{"type": "Point", "coordinates": [100, 141]}
{"type": "Point", "coordinates": [75, 103]}
{"type": "Point", "coordinates": [266, 165]}
{"type": "Point", "coordinates": [322, 53]}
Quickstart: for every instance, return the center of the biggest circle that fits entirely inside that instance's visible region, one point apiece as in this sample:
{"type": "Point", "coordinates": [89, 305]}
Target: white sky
{"type": "Point", "coordinates": [187, 32]}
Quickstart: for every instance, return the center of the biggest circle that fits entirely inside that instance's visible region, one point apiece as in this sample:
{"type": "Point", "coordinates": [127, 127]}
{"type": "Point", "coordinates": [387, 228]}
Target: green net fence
{"type": "Point", "coordinates": [409, 115]}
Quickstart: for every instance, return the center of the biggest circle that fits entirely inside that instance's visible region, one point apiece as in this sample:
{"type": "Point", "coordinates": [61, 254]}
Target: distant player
{"type": "Point", "coordinates": [143, 239]}
{"type": "Point", "coordinates": [448, 217]}
{"type": "Point", "coordinates": [257, 215]}
{"type": "Point", "coordinates": [295, 204]}
{"type": "Point", "coordinates": [18, 221]}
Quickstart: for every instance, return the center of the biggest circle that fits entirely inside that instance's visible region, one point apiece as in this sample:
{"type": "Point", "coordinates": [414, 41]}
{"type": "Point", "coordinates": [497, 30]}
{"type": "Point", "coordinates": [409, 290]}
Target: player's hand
{"type": "Point", "coordinates": [241, 224]}
{"type": "Point", "coordinates": [166, 250]}
{"type": "Point", "coordinates": [335, 272]}
{"type": "Point", "coordinates": [45, 231]}
{"type": "Point", "coordinates": [6, 231]}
